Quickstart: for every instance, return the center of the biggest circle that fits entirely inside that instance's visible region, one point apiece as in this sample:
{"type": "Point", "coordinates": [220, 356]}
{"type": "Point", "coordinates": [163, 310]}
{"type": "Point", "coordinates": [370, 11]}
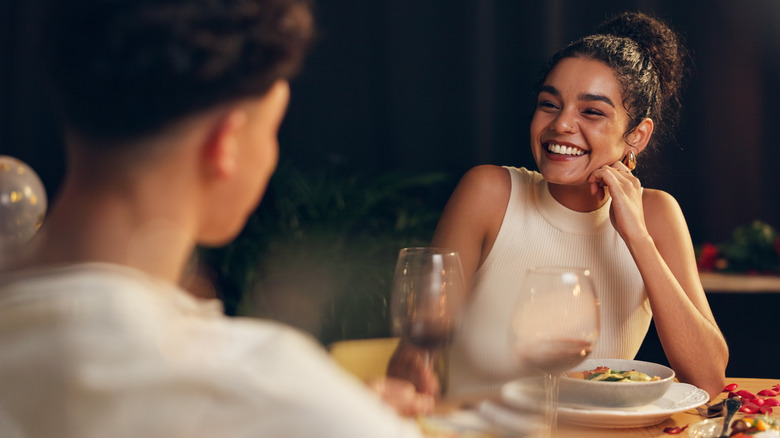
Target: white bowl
{"type": "Point", "coordinates": [616, 394]}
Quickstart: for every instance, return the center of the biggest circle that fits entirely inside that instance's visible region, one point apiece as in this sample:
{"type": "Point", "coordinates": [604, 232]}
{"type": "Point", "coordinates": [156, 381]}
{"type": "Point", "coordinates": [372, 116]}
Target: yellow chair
{"type": "Point", "coordinates": [364, 358]}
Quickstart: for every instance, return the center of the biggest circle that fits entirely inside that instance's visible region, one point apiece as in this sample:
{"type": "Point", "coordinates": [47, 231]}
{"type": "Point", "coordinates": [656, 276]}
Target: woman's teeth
{"type": "Point", "coordinates": [564, 150]}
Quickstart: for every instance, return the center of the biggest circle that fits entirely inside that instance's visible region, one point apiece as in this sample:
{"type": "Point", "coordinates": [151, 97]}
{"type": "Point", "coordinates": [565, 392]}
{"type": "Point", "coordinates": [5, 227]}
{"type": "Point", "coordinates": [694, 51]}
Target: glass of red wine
{"type": "Point", "coordinates": [427, 298]}
{"type": "Point", "coordinates": [555, 326]}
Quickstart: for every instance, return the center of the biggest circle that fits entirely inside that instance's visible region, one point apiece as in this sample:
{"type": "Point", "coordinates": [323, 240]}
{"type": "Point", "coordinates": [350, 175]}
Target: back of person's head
{"type": "Point", "coordinates": [648, 60]}
{"type": "Point", "coordinates": [123, 69]}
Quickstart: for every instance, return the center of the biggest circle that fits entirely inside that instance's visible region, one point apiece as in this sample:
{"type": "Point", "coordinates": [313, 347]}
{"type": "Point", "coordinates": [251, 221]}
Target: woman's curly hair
{"type": "Point", "coordinates": [649, 61]}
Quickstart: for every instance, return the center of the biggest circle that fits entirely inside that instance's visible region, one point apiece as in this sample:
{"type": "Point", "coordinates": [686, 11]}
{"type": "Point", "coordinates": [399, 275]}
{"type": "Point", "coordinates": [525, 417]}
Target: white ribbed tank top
{"type": "Point", "coordinates": [538, 231]}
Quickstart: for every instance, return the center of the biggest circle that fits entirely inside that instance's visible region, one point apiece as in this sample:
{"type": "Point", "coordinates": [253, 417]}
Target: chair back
{"type": "Point", "coordinates": [364, 358]}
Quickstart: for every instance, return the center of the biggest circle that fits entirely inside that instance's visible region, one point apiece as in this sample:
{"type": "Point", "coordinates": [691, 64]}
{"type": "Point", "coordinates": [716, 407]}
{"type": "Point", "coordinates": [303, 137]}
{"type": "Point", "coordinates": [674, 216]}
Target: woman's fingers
{"type": "Point", "coordinates": [625, 189]}
{"type": "Point", "coordinates": [401, 394]}
{"type": "Point", "coordinates": [612, 177]}
{"type": "Point", "coordinates": [412, 364]}
{"type": "Point", "coordinates": [597, 188]}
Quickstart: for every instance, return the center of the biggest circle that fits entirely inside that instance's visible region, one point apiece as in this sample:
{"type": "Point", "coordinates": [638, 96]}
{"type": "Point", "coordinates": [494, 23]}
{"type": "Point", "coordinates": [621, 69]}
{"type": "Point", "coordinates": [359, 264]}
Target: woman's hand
{"type": "Point", "coordinates": [626, 212]}
{"type": "Point", "coordinates": [401, 395]}
{"type": "Point", "coordinates": [411, 363]}
{"type": "Point", "coordinates": [411, 384]}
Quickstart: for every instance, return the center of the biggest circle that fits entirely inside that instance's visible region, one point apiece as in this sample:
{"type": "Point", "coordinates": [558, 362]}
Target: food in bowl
{"type": "Point", "coordinates": [607, 374]}
{"type": "Point", "coordinates": [755, 426]}
{"type": "Point", "coordinates": [746, 427]}
{"type": "Point", "coordinates": [613, 394]}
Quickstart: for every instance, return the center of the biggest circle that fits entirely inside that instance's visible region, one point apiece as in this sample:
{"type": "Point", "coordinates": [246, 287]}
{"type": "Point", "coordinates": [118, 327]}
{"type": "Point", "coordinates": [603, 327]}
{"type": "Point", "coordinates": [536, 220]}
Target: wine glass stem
{"type": "Point", "coordinates": [551, 382]}
{"type": "Point", "coordinates": [428, 358]}
{"type": "Point", "coordinates": [431, 362]}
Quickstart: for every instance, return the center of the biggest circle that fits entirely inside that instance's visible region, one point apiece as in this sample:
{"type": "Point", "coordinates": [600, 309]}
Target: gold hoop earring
{"type": "Point", "coordinates": [630, 160]}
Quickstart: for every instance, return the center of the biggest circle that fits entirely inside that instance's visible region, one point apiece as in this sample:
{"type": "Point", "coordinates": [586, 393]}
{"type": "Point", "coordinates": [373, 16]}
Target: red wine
{"type": "Point", "coordinates": [427, 334]}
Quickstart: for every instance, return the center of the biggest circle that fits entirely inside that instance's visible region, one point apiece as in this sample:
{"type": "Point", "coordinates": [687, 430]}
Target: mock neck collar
{"type": "Point", "coordinates": [566, 219]}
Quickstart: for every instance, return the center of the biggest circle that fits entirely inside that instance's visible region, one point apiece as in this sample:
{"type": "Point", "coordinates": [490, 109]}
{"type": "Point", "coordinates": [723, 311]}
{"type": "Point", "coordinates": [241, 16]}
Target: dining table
{"type": "Point", "coordinates": [676, 421]}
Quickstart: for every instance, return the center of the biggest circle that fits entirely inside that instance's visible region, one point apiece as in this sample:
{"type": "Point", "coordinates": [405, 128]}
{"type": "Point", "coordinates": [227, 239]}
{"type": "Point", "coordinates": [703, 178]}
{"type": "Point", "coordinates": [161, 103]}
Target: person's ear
{"type": "Point", "coordinates": [640, 136]}
{"type": "Point", "coordinates": [220, 152]}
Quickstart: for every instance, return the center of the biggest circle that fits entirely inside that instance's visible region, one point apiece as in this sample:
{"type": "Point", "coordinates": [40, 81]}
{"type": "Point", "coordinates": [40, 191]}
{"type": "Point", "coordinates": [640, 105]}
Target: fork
{"type": "Point", "coordinates": [732, 405]}
{"type": "Point", "coordinates": [709, 411]}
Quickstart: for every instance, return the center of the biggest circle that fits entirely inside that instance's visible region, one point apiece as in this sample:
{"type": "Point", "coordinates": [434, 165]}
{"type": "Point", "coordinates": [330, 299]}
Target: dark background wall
{"type": "Point", "coordinates": [437, 84]}
{"type": "Point", "coordinates": [444, 85]}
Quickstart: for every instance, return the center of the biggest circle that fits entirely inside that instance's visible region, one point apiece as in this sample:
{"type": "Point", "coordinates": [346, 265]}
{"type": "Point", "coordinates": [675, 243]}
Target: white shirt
{"type": "Point", "coordinates": [98, 351]}
{"type": "Point", "coordinates": [538, 231]}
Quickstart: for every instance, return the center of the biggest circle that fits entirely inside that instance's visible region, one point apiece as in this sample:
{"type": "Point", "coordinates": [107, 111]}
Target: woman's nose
{"type": "Point", "coordinates": [564, 123]}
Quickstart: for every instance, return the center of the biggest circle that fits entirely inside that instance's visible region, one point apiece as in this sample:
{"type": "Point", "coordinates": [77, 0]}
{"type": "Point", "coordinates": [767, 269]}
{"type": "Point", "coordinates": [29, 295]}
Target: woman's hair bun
{"type": "Point", "coordinates": [660, 44]}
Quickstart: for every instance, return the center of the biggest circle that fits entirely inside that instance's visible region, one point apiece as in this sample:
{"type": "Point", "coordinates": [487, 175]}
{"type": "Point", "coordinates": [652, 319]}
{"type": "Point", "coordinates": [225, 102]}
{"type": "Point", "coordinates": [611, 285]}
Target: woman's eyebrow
{"type": "Point", "coordinates": [598, 97]}
{"type": "Point", "coordinates": [584, 96]}
{"type": "Point", "coordinates": [550, 89]}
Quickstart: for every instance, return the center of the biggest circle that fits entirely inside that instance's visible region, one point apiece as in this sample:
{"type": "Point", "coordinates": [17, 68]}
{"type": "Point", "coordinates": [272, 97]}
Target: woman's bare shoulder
{"type": "Point", "coordinates": [487, 180]}
{"type": "Point", "coordinates": [663, 215]}
{"type": "Point", "coordinates": [659, 202]}
{"type": "Point", "coordinates": [487, 171]}
{"type": "Point", "coordinates": [473, 215]}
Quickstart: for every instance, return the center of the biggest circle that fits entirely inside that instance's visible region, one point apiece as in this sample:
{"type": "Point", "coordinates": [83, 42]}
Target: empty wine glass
{"type": "Point", "coordinates": [427, 297]}
{"type": "Point", "coordinates": [555, 326]}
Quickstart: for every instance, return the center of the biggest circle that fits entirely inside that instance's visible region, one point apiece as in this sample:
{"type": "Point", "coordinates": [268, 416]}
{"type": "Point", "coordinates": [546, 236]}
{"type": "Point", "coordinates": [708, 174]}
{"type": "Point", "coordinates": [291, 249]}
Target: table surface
{"type": "Point", "coordinates": [729, 283]}
{"type": "Point", "coordinates": [680, 419]}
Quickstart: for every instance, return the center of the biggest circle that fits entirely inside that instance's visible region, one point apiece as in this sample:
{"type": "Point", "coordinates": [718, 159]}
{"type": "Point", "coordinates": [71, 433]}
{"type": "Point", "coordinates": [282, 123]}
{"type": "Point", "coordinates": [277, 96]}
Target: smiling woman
{"type": "Point", "coordinates": [603, 98]}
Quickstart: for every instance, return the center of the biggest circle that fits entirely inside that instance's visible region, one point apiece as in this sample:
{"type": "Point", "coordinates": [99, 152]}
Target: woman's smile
{"type": "Point", "coordinates": [563, 150]}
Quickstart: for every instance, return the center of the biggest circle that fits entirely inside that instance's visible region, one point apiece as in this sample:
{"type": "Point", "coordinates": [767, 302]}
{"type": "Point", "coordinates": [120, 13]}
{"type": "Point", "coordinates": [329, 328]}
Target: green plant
{"type": "Point", "coordinates": [753, 248]}
{"type": "Point", "coordinates": [319, 252]}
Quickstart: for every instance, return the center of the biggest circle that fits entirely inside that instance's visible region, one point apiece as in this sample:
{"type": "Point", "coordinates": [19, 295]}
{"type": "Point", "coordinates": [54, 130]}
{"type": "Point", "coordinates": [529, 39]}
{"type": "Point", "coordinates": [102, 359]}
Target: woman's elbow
{"type": "Point", "coordinates": [710, 377]}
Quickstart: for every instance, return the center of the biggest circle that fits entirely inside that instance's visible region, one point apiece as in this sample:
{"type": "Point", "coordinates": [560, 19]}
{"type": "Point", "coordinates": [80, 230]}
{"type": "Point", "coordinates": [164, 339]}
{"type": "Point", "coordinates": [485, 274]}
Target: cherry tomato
{"type": "Point", "coordinates": [674, 430]}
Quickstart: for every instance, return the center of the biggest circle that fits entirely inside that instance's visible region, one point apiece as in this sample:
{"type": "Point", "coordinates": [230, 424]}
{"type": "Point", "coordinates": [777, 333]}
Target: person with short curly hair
{"type": "Point", "coordinates": [170, 110]}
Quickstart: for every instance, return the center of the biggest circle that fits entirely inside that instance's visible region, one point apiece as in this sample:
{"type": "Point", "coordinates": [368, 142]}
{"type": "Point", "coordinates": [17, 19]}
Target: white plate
{"type": "Point", "coordinates": [520, 424]}
{"type": "Point", "coordinates": [680, 397]}
{"type": "Point", "coordinates": [458, 423]}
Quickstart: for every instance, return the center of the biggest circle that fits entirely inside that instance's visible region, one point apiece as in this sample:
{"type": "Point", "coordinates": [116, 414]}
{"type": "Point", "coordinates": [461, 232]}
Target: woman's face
{"type": "Point", "coordinates": [579, 122]}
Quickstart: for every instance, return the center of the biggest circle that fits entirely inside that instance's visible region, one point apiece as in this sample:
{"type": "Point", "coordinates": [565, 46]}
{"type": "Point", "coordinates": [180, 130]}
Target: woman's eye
{"type": "Point", "coordinates": [546, 104]}
{"type": "Point", "coordinates": [593, 112]}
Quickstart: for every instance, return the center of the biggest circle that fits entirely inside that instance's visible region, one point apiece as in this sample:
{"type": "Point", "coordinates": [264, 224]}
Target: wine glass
{"type": "Point", "coordinates": [427, 298]}
{"type": "Point", "coordinates": [555, 326]}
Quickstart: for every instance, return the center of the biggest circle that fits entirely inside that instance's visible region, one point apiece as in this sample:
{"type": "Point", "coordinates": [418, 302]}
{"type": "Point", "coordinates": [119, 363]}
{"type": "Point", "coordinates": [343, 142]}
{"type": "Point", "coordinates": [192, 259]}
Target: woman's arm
{"type": "Point", "coordinates": [686, 327]}
{"type": "Point", "coordinates": [654, 229]}
{"type": "Point", "coordinates": [473, 215]}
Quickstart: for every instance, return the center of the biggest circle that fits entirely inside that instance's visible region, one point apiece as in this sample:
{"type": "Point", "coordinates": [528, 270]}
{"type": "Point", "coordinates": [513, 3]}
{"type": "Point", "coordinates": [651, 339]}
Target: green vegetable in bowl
{"type": "Point", "coordinates": [606, 374]}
